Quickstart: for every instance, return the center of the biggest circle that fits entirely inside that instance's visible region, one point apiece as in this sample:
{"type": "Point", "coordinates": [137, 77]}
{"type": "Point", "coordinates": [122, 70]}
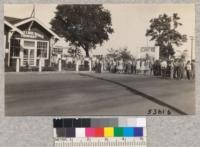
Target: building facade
{"type": "Point", "coordinates": [28, 40]}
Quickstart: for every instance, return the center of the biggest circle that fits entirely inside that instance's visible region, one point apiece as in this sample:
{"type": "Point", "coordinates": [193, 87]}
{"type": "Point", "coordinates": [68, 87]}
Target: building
{"type": "Point", "coordinates": [28, 40]}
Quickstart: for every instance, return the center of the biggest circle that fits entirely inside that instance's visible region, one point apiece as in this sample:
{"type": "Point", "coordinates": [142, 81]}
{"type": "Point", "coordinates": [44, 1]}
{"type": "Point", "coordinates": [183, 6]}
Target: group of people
{"type": "Point", "coordinates": [173, 69]}
{"type": "Point", "coordinates": [177, 69]}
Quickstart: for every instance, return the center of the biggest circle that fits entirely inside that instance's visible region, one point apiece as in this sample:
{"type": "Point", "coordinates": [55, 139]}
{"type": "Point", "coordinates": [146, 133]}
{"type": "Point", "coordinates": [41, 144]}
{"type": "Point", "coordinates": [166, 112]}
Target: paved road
{"type": "Point", "coordinates": [95, 94]}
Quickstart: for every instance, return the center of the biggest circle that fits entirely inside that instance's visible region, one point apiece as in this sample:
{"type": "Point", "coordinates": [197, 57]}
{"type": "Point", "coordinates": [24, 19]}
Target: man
{"type": "Point", "coordinates": [171, 69]}
{"type": "Point", "coordinates": [181, 68]}
{"type": "Point", "coordinates": [193, 69]}
{"type": "Point", "coordinates": [163, 69]}
{"type": "Point", "coordinates": [188, 69]}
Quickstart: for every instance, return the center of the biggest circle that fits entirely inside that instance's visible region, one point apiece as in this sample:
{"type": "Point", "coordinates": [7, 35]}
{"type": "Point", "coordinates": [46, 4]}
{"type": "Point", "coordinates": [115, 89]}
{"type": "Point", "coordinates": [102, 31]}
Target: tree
{"type": "Point", "coordinates": [74, 51]}
{"type": "Point", "coordinates": [125, 55]}
{"type": "Point", "coordinates": [113, 54]}
{"type": "Point", "coordinates": [83, 25]}
{"type": "Point", "coordinates": [120, 54]}
{"type": "Point", "coordinates": [163, 30]}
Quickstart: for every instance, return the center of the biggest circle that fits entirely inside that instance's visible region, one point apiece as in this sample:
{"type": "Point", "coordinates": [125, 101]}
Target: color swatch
{"type": "Point", "coordinates": [97, 127]}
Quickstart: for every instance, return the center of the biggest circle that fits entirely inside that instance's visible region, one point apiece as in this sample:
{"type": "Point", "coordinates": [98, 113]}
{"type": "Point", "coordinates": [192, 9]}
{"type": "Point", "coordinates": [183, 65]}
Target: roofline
{"type": "Point", "coordinates": [13, 27]}
{"type": "Point", "coordinates": [38, 21]}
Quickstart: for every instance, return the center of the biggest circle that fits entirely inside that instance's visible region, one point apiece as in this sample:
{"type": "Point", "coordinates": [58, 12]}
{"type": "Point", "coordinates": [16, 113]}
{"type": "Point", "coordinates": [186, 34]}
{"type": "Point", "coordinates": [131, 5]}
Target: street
{"type": "Point", "coordinates": [50, 94]}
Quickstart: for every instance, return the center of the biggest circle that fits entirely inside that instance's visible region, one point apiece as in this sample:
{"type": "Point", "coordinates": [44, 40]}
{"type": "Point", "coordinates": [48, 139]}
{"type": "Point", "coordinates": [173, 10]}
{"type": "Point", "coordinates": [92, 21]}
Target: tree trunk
{"type": "Point", "coordinates": [87, 53]}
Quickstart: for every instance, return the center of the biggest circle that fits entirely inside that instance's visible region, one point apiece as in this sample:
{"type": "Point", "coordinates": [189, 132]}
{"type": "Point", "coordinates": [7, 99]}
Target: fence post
{"type": "Point", "coordinates": [60, 65]}
{"type": "Point", "coordinates": [17, 65]}
{"type": "Point", "coordinates": [77, 65]}
{"type": "Point", "coordinates": [40, 65]}
{"type": "Point", "coordinates": [90, 65]}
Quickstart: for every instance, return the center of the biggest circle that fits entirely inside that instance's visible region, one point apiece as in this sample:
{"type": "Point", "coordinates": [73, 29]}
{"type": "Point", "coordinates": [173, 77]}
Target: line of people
{"type": "Point", "coordinates": [173, 69]}
{"type": "Point", "coordinates": [178, 69]}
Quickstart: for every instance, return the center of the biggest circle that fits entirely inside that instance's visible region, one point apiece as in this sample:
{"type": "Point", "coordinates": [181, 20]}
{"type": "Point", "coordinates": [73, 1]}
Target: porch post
{"type": "Point", "coordinates": [21, 57]}
{"type": "Point", "coordinates": [77, 65]}
{"type": "Point", "coordinates": [90, 65]}
{"type": "Point", "coordinates": [40, 65]}
{"type": "Point", "coordinates": [9, 42]}
{"type": "Point", "coordinates": [17, 65]}
{"type": "Point", "coordinates": [60, 65]}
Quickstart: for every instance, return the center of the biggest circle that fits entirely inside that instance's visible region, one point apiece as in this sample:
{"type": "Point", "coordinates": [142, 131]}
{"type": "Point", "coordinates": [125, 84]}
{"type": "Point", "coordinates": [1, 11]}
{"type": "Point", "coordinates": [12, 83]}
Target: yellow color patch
{"type": "Point", "coordinates": [108, 132]}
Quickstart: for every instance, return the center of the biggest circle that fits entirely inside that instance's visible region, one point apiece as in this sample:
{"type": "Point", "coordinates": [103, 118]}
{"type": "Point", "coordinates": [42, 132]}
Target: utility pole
{"type": "Point", "coordinates": [192, 39]}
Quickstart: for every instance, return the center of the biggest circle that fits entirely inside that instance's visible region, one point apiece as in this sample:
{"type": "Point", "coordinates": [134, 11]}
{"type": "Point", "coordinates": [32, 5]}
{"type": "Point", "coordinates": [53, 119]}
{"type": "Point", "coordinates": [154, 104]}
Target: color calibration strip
{"type": "Point", "coordinates": [100, 132]}
{"type": "Point", "coordinates": [99, 127]}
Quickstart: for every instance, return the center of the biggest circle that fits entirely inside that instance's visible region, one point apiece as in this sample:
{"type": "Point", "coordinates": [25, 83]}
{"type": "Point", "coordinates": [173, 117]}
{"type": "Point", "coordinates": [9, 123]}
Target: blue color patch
{"type": "Point", "coordinates": [138, 132]}
{"type": "Point", "coordinates": [128, 132]}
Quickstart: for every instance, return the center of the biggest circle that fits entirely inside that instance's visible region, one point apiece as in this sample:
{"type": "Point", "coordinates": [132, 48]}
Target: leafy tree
{"type": "Point", "coordinates": [83, 25]}
{"type": "Point", "coordinates": [113, 54]}
{"type": "Point", "coordinates": [74, 51]}
{"type": "Point", "coordinates": [120, 54]}
{"type": "Point", "coordinates": [163, 30]}
{"type": "Point", "coordinates": [125, 54]}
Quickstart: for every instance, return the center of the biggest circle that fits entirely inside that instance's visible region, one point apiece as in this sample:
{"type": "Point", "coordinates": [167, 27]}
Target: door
{"type": "Point", "coordinates": [29, 57]}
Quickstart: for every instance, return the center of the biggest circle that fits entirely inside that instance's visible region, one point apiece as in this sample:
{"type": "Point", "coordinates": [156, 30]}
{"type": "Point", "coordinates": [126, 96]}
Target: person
{"type": "Point", "coordinates": [188, 70]}
{"type": "Point", "coordinates": [134, 67]}
{"type": "Point", "coordinates": [120, 66]}
{"type": "Point", "coordinates": [181, 68]}
{"type": "Point", "coordinates": [175, 69]}
{"type": "Point", "coordinates": [129, 63]}
{"type": "Point", "coordinates": [138, 66]}
{"type": "Point", "coordinates": [171, 65]}
{"type": "Point", "coordinates": [163, 69]}
{"type": "Point", "coordinates": [178, 69]}
{"type": "Point", "coordinates": [143, 66]}
{"type": "Point", "coordinates": [147, 67]}
{"type": "Point", "coordinates": [151, 67]}
{"type": "Point", "coordinates": [193, 69]}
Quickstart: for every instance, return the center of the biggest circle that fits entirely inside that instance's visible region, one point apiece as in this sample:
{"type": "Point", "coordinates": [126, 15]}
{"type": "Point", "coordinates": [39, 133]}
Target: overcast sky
{"type": "Point", "coordinates": [130, 21]}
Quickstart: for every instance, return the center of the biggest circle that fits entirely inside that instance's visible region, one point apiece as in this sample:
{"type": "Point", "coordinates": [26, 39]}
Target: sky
{"type": "Point", "coordinates": [129, 21]}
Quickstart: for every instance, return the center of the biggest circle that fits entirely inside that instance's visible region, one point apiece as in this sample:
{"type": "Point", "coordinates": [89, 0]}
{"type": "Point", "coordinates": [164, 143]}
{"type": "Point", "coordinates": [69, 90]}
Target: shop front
{"type": "Point", "coordinates": [34, 42]}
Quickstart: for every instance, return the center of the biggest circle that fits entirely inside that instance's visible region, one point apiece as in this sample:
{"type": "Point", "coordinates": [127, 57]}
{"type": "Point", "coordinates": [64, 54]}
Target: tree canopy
{"type": "Point", "coordinates": [163, 30]}
{"type": "Point", "coordinates": [120, 54]}
{"type": "Point", "coordinates": [83, 26]}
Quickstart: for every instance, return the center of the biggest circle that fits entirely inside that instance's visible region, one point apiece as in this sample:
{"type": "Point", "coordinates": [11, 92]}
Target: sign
{"type": "Point", "coordinates": [31, 34]}
{"type": "Point", "coordinates": [147, 49]}
{"type": "Point", "coordinates": [152, 52]}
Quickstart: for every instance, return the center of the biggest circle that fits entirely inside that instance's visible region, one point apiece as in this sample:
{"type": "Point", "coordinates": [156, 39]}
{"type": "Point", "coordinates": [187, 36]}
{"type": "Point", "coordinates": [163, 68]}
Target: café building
{"type": "Point", "coordinates": [27, 40]}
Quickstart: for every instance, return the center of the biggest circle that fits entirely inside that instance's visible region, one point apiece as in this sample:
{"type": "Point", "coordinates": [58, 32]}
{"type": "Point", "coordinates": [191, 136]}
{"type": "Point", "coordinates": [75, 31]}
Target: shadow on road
{"type": "Point", "coordinates": [136, 92]}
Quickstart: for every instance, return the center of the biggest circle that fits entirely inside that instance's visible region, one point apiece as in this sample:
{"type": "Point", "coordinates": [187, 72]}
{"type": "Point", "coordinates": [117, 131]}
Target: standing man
{"type": "Point", "coordinates": [193, 69]}
{"type": "Point", "coordinates": [188, 69]}
{"type": "Point", "coordinates": [163, 69]}
{"type": "Point", "coordinates": [138, 66]}
{"type": "Point", "coordinates": [171, 69]}
{"type": "Point", "coordinates": [182, 69]}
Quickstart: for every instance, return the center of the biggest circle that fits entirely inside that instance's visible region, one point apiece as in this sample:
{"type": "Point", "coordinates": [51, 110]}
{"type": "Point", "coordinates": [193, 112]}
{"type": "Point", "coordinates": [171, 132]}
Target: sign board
{"type": "Point", "coordinates": [31, 34]}
{"type": "Point", "coordinates": [152, 52]}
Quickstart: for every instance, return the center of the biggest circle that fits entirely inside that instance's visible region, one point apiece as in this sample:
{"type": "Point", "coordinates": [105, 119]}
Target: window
{"type": "Point", "coordinates": [57, 51]}
{"type": "Point", "coordinates": [29, 43]}
{"type": "Point", "coordinates": [15, 48]}
{"type": "Point", "coordinates": [42, 48]}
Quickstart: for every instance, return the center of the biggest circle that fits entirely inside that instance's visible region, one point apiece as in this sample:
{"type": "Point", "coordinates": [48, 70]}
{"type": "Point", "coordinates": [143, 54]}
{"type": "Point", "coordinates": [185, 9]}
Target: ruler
{"type": "Point", "coordinates": [101, 142]}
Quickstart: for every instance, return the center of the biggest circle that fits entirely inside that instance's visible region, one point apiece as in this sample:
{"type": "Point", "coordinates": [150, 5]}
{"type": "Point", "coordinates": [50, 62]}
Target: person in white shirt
{"type": "Point", "coordinates": [138, 66]}
{"type": "Point", "coordinates": [188, 69]}
{"type": "Point", "coordinates": [163, 68]}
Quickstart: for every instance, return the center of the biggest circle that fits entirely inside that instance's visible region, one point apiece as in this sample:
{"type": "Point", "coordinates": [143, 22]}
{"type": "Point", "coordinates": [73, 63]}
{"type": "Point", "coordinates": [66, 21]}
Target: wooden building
{"type": "Point", "coordinates": [28, 40]}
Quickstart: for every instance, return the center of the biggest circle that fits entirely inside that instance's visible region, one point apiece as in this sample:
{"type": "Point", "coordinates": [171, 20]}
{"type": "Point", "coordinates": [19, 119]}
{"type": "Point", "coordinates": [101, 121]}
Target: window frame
{"type": "Point", "coordinates": [12, 56]}
{"type": "Point", "coordinates": [47, 57]}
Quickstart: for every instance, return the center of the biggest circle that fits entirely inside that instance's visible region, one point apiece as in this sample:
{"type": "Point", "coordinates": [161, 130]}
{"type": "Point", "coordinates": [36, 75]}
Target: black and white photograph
{"type": "Point", "coordinates": [99, 59]}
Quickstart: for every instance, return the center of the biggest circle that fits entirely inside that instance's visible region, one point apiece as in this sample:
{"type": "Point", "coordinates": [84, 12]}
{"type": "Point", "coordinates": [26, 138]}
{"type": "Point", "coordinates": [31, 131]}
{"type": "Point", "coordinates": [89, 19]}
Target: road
{"type": "Point", "coordinates": [58, 94]}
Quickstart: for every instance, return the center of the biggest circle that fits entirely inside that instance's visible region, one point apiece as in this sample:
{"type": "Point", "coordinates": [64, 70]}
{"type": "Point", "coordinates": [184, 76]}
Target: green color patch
{"type": "Point", "coordinates": [118, 132]}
